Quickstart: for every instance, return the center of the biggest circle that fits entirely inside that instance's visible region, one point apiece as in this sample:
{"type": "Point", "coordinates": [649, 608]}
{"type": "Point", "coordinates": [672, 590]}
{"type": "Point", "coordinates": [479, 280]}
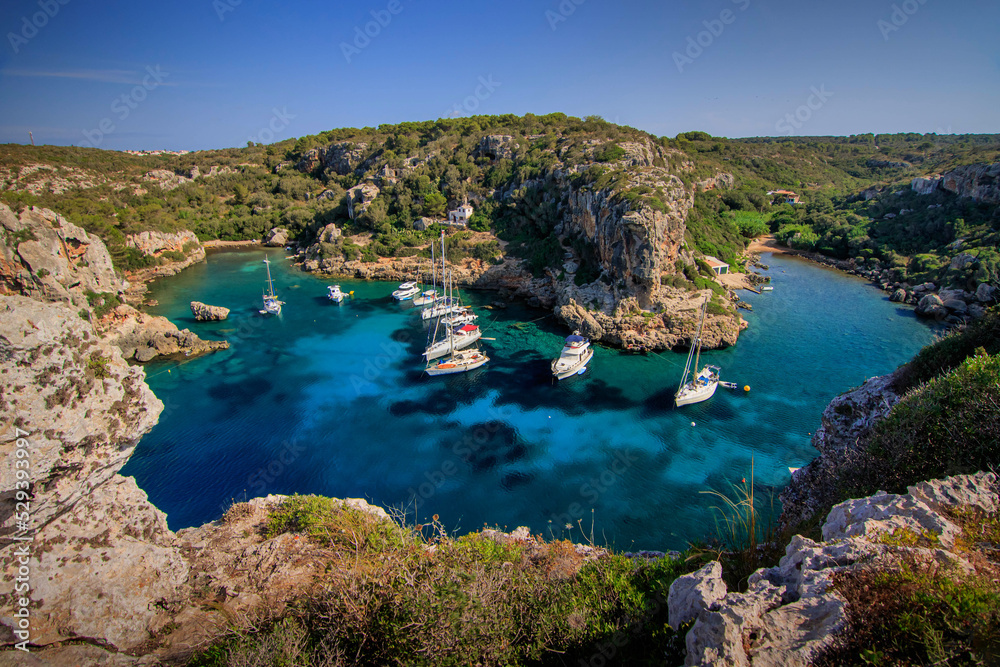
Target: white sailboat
{"type": "Point", "coordinates": [429, 297]}
{"type": "Point", "coordinates": [455, 338]}
{"type": "Point", "coordinates": [464, 317]}
{"type": "Point", "coordinates": [272, 306]}
{"type": "Point", "coordinates": [443, 306]}
{"type": "Point", "coordinates": [573, 359]}
{"type": "Point", "coordinates": [704, 383]}
{"type": "Point", "coordinates": [457, 360]}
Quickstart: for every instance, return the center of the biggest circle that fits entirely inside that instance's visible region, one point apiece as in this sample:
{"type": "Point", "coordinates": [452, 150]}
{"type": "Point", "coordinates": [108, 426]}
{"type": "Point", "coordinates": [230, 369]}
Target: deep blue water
{"type": "Point", "coordinates": [331, 400]}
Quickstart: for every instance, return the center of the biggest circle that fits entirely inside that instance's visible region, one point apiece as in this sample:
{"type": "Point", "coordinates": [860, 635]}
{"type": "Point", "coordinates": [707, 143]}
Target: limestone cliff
{"type": "Point", "coordinates": [792, 612]}
{"type": "Point", "coordinates": [105, 571]}
{"type": "Point", "coordinates": [46, 257]}
{"type": "Point", "coordinates": [617, 249]}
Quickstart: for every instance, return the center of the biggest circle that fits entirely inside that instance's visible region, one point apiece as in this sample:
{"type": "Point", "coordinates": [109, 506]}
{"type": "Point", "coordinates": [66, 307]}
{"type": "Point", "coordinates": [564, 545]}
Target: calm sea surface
{"type": "Point", "coordinates": [330, 399]}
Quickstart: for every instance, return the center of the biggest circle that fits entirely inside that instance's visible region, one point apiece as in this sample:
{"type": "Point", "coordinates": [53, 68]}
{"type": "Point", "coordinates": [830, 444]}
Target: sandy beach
{"type": "Point", "coordinates": [215, 243]}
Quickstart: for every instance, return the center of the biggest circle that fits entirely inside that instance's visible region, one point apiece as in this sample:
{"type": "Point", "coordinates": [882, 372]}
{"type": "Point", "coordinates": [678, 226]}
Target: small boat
{"type": "Point", "coordinates": [272, 306]}
{"type": "Point", "coordinates": [406, 290]}
{"type": "Point", "coordinates": [333, 291]}
{"type": "Point", "coordinates": [573, 359]}
{"type": "Point", "coordinates": [458, 362]}
{"type": "Point", "coordinates": [704, 383]}
{"type": "Point", "coordinates": [767, 288]}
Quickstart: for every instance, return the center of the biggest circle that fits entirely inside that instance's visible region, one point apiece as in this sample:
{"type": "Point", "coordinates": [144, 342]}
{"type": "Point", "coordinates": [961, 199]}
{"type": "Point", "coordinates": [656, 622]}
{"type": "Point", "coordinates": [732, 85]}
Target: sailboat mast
{"type": "Point", "coordinates": [697, 356]}
{"type": "Point", "coordinates": [451, 283]}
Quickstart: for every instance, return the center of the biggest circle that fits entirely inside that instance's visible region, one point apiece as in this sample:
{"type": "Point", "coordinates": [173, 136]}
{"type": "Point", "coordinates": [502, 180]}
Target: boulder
{"type": "Point", "coordinates": [360, 197]}
{"type": "Point", "coordinates": [276, 238]}
{"type": "Point", "coordinates": [956, 305]}
{"type": "Point", "coordinates": [692, 593]}
{"type": "Point", "coordinates": [496, 146]}
{"type": "Point", "coordinates": [204, 312]}
{"type": "Point", "coordinates": [924, 186]}
{"type": "Point", "coordinates": [328, 234]}
{"type": "Point", "coordinates": [931, 305]}
{"type": "Point", "coordinates": [899, 296]}
{"type": "Point", "coordinates": [986, 293]}
{"type": "Point", "coordinates": [963, 261]}
{"type": "Point", "coordinates": [925, 287]}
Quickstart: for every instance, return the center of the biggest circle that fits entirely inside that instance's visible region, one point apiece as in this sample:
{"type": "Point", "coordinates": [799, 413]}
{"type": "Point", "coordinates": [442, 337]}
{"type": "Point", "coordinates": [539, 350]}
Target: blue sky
{"type": "Point", "coordinates": [217, 73]}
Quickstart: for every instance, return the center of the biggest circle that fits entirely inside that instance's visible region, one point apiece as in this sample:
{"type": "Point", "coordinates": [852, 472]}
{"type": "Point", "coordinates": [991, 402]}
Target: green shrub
{"type": "Point", "coordinates": [102, 303]}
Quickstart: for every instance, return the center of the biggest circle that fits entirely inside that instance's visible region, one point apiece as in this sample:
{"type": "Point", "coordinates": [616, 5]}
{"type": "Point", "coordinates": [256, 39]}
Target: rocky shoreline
{"type": "Point", "coordinates": [951, 306]}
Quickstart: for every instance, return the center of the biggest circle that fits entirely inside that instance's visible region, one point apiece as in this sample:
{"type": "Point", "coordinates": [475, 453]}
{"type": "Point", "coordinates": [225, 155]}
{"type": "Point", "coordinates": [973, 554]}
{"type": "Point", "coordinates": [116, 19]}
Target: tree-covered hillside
{"type": "Point", "coordinates": [425, 168]}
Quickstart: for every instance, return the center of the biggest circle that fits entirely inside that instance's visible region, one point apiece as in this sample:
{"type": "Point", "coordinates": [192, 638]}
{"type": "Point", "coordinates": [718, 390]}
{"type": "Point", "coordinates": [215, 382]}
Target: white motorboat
{"type": "Point", "coordinates": [454, 339]}
{"type": "Point", "coordinates": [272, 306]}
{"type": "Point", "coordinates": [459, 361]}
{"type": "Point", "coordinates": [335, 293]}
{"type": "Point", "coordinates": [406, 290]}
{"type": "Point", "coordinates": [704, 383]}
{"type": "Point", "coordinates": [573, 359]}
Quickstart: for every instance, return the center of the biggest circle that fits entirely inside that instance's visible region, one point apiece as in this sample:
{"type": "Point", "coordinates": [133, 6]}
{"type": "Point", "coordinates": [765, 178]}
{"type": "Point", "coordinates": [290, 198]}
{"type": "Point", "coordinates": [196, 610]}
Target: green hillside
{"type": "Point", "coordinates": [518, 193]}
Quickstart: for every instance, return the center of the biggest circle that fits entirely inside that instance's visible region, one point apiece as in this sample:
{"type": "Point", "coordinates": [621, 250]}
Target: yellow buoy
{"type": "Point", "coordinates": [746, 387]}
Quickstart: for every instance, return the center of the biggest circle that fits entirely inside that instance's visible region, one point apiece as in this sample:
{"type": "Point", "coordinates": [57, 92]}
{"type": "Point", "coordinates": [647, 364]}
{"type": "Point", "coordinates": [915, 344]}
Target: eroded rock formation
{"type": "Point", "coordinates": [791, 613]}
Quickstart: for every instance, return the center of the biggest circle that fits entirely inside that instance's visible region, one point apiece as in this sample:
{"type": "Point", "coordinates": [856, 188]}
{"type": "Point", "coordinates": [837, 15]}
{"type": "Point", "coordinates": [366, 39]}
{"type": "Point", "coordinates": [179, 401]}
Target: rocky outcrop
{"type": "Point", "coordinates": [276, 238]}
{"type": "Point", "coordinates": [154, 244]}
{"type": "Point", "coordinates": [168, 180]}
{"type": "Point", "coordinates": [341, 158]}
{"type": "Point", "coordinates": [203, 312]}
{"type": "Point", "coordinates": [360, 197]}
{"type": "Point", "coordinates": [106, 574]}
{"type": "Point", "coordinates": [144, 337]}
{"type": "Point", "coordinates": [791, 613]}
{"type": "Point", "coordinates": [496, 147]}
{"type": "Point", "coordinates": [846, 422]}
{"type": "Point", "coordinates": [980, 182]}
{"type": "Point", "coordinates": [47, 257]}
{"type": "Point", "coordinates": [925, 186]}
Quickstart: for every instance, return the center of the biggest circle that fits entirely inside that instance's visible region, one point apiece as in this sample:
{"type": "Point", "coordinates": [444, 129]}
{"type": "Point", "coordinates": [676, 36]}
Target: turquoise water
{"type": "Point", "coordinates": [330, 399]}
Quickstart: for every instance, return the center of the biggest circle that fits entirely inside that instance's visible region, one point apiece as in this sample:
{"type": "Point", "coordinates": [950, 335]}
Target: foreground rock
{"type": "Point", "coordinates": [44, 256]}
{"type": "Point", "coordinates": [789, 613]}
{"type": "Point", "coordinates": [106, 573]}
{"type": "Point", "coordinates": [203, 312]}
{"type": "Point", "coordinates": [144, 337]}
{"type": "Point", "coordinates": [846, 422]}
{"type": "Point", "coordinates": [276, 238]}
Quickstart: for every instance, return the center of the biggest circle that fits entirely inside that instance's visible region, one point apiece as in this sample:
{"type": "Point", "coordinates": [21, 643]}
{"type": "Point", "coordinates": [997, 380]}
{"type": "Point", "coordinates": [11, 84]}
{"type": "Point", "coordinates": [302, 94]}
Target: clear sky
{"type": "Point", "coordinates": [198, 74]}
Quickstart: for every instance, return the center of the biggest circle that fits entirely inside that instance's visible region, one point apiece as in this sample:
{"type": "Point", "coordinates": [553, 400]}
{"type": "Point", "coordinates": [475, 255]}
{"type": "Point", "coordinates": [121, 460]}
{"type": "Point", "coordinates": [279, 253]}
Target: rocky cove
{"type": "Point", "coordinates": [110, 578]}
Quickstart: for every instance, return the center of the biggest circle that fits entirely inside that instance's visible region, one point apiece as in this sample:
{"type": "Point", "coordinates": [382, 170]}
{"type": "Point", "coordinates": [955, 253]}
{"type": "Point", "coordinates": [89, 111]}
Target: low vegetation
{"type": "Point", "coordinates": [923, 613]}
{"type": "Point", "coordinates": [394, 594]}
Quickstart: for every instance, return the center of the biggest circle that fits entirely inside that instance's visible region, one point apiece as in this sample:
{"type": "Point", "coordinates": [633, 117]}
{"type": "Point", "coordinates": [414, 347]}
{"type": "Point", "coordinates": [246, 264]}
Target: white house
{"type": "Point", "coordinates": [460, 217]}
{"type": "Point", "coordinates": [717, 265]}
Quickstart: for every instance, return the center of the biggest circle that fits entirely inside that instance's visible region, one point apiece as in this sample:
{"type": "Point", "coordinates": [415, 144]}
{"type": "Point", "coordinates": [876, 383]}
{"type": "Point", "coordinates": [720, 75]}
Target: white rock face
{"type": "Point", "coordinates": [692, 593]}
{"type": "Point", "coordinates": [789, 612]}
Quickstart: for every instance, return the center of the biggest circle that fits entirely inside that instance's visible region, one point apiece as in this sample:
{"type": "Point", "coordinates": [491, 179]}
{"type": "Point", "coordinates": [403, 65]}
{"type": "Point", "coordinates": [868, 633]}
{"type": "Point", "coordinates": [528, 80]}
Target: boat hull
{"type": "Point", "coordinates": [442, 348]}
{"type": "Point", "coordinates": [565, 370]}
{"type": "Point", "coordinates": [458, 366]}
